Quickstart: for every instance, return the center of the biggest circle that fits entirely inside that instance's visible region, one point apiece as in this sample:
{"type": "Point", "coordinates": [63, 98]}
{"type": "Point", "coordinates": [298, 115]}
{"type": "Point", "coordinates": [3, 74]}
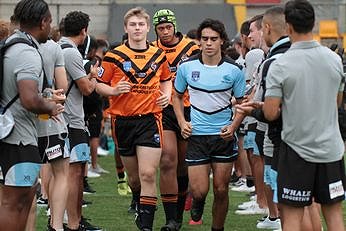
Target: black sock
{"type": "Point", "coordinates": [120, 172]}
{"type": "Point", "coordinates": [250, 181]}
{"type": "Point", "coordinates": [121, 175]}
{"type": "Point", "coordinates": [213, 229]}
{"type": "Point", "coordinates": [147, 207]}
{"type": "Point", "coordinates": [273, 219]}
{"type": "Point", "coordinates": [183, 184]}
{"type": "Point", "coordinates": [169, 202]}
{"type": "Point", "coordinates": [136, 196]}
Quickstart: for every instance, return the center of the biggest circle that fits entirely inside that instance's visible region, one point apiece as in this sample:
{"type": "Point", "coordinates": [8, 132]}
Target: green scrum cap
{"type": "Point", "coordinates": [164, 15]}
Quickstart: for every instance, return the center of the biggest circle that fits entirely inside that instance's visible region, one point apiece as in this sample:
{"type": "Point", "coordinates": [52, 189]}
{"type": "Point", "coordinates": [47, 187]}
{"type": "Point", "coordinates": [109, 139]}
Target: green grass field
{"type": "Point", "coordinates": [109, 210]}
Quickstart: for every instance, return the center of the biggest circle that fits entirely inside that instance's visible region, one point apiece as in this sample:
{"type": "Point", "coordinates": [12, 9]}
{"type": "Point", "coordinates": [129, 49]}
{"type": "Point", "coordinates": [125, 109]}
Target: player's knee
{"type": "Point", "coordinates": [148, 175]}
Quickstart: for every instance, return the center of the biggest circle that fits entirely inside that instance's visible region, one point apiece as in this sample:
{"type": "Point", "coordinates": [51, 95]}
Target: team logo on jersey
{"type": "Point", "coordinates": [153, 66]}
{"type": "Point", "coordinates": [157, 138]}
{"type": "Point", "coordinates": [173, 69]}
{"type": "Point", "coordinates": [141, 75]}
{"type": "Point", "coordinates": [184, 57]}
{"type": "Point", "coordinates": [195, 75]}
{"type": "Point", "coordinates": [127, 65]}
{"type": "Point", "coordinates": [100, 71]}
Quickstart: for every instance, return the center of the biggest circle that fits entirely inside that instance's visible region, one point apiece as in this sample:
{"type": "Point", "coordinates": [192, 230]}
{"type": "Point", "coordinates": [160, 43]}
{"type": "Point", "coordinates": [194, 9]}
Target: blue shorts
{"type": "Point", "coordinates": [270, 177]}
{"type": "Point", "coordinates": [20, 164]}
{"type": "Point", "coordinates": [250, 142]}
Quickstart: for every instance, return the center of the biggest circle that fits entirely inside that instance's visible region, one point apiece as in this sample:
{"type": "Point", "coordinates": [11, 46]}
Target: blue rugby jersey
{"type": "Point", "coordinates": [211, 89]}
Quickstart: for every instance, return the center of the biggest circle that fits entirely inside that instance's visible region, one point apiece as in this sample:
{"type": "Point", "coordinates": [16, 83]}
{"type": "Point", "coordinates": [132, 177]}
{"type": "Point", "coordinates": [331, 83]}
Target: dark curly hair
{"type": "Point", "coordinates": [74, 22]}
{"type": "Point", "coordinates": [217, 26]}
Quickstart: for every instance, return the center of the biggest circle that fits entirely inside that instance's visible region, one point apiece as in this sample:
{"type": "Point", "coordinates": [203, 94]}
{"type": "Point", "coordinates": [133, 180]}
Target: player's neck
{"type": "Point", "coordinates": [211, 60]}
{"type": "Point", "coordinates": [138, 45]}
{"type": "Point", "coordinates": [175, 40]}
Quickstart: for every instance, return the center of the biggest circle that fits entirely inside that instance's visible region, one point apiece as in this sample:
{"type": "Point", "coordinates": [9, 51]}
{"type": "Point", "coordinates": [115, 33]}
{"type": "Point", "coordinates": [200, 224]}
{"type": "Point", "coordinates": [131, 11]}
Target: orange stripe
{"type": "Point", "coordinates": [158, 119]}
{"type": "Point", "coordinates": [147, 202]}
{"type": "Point", "coordinates": [170, 200]}
{"type": "Point", "coordinates": [113, 124]}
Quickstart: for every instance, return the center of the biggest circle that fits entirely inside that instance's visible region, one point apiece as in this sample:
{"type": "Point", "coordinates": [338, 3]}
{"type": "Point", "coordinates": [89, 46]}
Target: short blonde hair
{"type": "Point", "coordinates": [137, 11]}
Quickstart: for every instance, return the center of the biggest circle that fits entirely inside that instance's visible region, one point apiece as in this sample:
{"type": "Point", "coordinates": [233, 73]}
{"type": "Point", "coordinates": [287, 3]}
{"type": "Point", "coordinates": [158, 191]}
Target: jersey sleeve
{"type": "Point", "coordinates": [274, 81]}
{"type": "Point", "coordinates": [74, 63]}
{"type": "Point", "coordinates": [166, 73]}
{"type": "Point", "coordinates": [180, 82]}
{"type": "Point", "coordinates": [25, 70]}
{"type": "Point", "coordinates": [106, 71]}
{"type": "Point", "coordinates": [59, 62]}
{"type": "Point", "coordinates": [194, 50]}
{"type": "Point", "coordinates": [239, 85]}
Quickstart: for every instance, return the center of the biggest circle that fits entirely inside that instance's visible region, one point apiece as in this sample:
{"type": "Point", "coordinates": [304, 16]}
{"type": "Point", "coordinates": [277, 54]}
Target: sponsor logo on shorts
{"type": "Point", "coordinates": [296, 195]}
{"type": "Point", "coordinates": [27, 178]}
{"type": "Point", "coordinates": [336, 189]}
{"type": "Point", "coordinates": [53, 152]}
{"type": "Point", "coordinates": [157, 138]}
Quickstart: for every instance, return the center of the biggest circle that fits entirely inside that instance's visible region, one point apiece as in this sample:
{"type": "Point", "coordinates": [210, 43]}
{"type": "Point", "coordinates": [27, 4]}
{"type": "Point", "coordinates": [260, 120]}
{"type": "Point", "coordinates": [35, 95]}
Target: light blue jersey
{"type": "Point", "coordinates": [211, 89]}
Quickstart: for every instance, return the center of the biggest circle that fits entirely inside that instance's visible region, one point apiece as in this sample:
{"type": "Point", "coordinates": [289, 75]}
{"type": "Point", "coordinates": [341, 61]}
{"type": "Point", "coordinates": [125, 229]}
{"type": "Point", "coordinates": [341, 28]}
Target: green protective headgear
{"type": "Point", "coordinates": [164, 15]}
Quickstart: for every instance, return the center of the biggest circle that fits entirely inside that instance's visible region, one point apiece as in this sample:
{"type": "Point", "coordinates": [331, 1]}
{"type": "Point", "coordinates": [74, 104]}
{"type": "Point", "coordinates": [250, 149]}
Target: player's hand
{"type": "Point", "coordinates": [227, 132]}
{"type": "Point", "coordinates": [247, 107]}
{"type": "Point", "coordinates": [94, 70]}
{"type": "Point", "coordinates": [122, 87]}
{"type": "Point", "coordinates": [163, 100]}
{"type": "Point", "coordinates": [185, 129]}
{"type": "Point", "coordinates": [59, 108]}
{"type": "Point", "coordinates": [58, 96]}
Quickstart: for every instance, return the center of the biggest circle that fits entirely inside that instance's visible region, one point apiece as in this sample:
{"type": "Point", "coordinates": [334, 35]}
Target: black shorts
{"type": "Point", "coordinates": [78, 145]}
{"type": "Point", "coordinates": [299, 181]}
{"type": "Point", "coordinates": [259, 139]}
{"type": "Point", "coordinates": [276, 153]}
{"type": "Point", "coordinates": [170, 122]}
{"type": "Point", "coordinates": [241, 130]}
{"type": "Point", "coordinates": [20, 164]}
{"type": "Point", "coordinates": [94, 123]}
{"type": "Point", "coordinates": [209, 149]}
{"type": "Point", "coordinates": [143, 130]}
{"type": "Point", "coordinates": [53, 147]}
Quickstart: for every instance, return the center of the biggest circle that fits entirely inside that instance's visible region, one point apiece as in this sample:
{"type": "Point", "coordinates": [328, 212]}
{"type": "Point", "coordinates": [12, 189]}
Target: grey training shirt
{"type": "Point", "coordinates": [308, 78]}
{"type": "Point", "coordinates": [21, 62]}
{"type": "Point", "coordinates": [74, 112]}
{"type": "Point", "coordinates": [52, 58]}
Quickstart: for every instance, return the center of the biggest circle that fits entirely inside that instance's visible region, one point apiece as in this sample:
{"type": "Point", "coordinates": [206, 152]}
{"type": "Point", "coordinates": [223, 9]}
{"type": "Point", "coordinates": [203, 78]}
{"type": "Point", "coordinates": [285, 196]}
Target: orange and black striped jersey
{"type": "Point", "coordinates": [177, 53]}
{"type": "Point", "coordinates": [144, 69]}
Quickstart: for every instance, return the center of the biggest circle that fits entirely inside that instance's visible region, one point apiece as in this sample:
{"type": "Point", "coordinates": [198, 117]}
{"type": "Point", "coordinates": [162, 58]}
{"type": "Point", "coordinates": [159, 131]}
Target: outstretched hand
{"type": "Point", "coordinates": [122, 87]}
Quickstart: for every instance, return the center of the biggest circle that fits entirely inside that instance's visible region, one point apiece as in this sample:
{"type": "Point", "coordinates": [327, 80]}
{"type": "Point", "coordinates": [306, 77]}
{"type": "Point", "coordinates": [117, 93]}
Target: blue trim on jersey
{"type": "Point", "coordinates": [210, 90]}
